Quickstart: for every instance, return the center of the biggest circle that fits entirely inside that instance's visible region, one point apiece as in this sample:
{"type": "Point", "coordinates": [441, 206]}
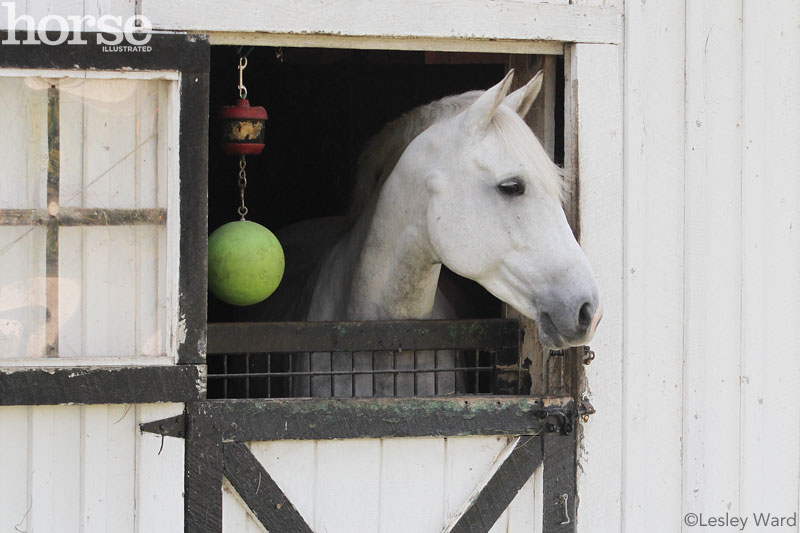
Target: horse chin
{"type": "Point", "coordinates": [549, 335]}
{"type": "Point", "coordinates": [552, 339]}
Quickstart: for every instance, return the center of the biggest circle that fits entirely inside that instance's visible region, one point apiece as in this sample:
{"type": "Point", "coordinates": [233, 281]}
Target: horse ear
{"type": "Point", "coordinates": [522, 99]}
{"type": "Point", "coordinates": [478, 116]}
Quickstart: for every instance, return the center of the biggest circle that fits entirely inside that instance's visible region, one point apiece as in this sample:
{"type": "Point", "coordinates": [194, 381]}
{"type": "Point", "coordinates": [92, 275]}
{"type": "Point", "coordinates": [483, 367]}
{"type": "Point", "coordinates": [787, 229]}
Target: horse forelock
{"type": "Point", "coordinates": [521, 141]}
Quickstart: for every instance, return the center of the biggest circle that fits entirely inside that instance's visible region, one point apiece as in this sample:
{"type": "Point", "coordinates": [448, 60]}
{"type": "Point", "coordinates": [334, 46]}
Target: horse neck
{"type": "Point", "coordinates": [394, 268]}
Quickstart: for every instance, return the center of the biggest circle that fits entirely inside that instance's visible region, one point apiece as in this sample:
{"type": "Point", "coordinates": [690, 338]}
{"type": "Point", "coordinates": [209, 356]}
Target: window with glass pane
{"type": "Point", "coordinates": [86, 192]}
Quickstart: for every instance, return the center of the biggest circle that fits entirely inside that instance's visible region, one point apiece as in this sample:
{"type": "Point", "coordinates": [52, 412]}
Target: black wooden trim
{"type": "Point", "coordinates": [362, 336]}
{"type": "Point", "coordinates": [49, 386]}
{"type": "Point", "coordinates": [202, 486]}
{"type": "Point", "coordinates": [502, 488]}
{"type": "Point", "coordinates": [167, 51]}
{"type": "Point", "coordinates": [53, 198]}
{"type": "Point", "coordinates": [195, 64]}
{"type": "Point", "coordinates": [559, 480]}
{"type": "Point", "coordinates": [353, 418]}
{"type": "Point", "coordinates": [260, 492]}
{"type": "Point", "coordinates": [84, 216]}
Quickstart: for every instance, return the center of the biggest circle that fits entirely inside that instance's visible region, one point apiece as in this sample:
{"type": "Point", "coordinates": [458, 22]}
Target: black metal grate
{"type": "Point", "coordinates": [365, 359]}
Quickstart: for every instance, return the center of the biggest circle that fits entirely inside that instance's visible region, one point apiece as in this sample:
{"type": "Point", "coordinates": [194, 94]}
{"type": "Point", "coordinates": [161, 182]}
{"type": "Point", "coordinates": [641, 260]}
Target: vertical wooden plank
{"type": "Point", "coordinates": [73, 154]}
{"type": "Point", "coordinates": [55, 469]}
{"type": "Point", "coordinates": [150, 267]}
{"type": "Point", "coordinates": [108, 468]}
{"type": "Point", "coordinates": [159, 473]}
{"type": "Point", "coordinates": [23, 103]}
{"type": "Point", "coordinates": [23, 184]}
{"type": "Point", "coordinates": [148, 335]}
{"type": "Point", "coordinates": [110, 143]}
{"type": "Point", "coordinates": [15, 501]}
{"type": "Point", "coordinates": [411, 478]}
{"type": "Point", "coordinates": [22, 292]}
{"type": "Point", "coordinates": [653, 264]}
{"type": "Point", "coordinates": [712, 292]}
{"type": "Point", "coordinates": [347, 485]}
{"type": "Point", "coordinates": [771, 257]}
{"type": "Point", "coordinates": [596, 74]}
{"type": "Point", "coordinates": [525, 511]}
{"type": "Point", "coordinates": [147, 125]}
{"type": "Point", "coordinates": [293, 465]}
{"type": "Point", "coordinates": [109, 268]}
{"type": "Point", "coordinates": [14, 99]}
{"type": "Point", "coordinates": [559, 502]}
{"type": "Point", "coordinates": [71, 328]}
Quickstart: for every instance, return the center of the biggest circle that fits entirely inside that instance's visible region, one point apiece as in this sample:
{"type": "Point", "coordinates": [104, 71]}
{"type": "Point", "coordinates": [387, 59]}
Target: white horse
{"type": "Point", "coordinates": [462, 182]}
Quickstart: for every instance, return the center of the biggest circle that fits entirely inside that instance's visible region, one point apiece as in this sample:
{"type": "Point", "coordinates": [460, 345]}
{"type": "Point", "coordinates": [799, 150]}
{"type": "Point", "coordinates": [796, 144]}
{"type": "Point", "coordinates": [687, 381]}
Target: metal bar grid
{"type": "Point", "coordinates": [271, 375]}
{"type": "Point", "coordinates": [367, 359]}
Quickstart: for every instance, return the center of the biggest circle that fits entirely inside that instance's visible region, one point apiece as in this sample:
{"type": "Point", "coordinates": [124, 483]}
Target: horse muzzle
{"type": "Point", "coordinates": [568, 327]}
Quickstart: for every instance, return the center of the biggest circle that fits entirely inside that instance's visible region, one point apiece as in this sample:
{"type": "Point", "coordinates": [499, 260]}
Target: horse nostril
{"type": "Point", "coordinates": [585, 315]}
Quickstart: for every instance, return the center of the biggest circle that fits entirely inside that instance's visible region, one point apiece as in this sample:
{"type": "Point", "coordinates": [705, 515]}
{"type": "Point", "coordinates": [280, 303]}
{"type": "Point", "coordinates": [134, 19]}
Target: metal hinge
{"type": "Point", "coordinates": [168, 427]}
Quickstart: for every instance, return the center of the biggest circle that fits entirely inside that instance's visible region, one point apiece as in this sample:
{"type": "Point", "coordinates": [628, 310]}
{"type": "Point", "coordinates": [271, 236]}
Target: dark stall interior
{"type": "Point", "coordinates": [323, 105]}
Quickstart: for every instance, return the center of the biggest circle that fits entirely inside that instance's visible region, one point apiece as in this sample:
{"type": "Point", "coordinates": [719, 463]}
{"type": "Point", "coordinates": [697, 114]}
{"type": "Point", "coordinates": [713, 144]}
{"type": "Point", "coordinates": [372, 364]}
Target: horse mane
{"type": "Point", "coordinates": [382, 152]}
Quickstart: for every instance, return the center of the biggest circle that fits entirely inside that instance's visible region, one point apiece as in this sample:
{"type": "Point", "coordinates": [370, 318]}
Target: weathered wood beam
{"type": "Point", "coordinates": [559, 483]}
{"type": "Point", "coordinates": [362, 336]}
{"type": "Point", "coordinates": [203, 486]}
{"type": "Point", "coordinates": [349, 418]}
{"type": "Point", "coordinates": [84, 216]}
{"type": "Point", "coordinates": [142, 384]}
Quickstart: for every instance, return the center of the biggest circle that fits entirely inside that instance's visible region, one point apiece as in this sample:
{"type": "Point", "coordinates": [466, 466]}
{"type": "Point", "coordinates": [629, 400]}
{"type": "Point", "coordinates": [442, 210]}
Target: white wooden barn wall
{"type": "Point", "coordinates": [710, 372]}
{"type": "Point", "coordinates": [77, 468]}
{"type": "Point", "coordinates": [698, 376]}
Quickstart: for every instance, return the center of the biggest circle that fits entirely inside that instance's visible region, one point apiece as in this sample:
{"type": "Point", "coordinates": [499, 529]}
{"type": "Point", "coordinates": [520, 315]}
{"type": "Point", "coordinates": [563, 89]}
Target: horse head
{"type": "Point", "coordinates": [494, 214]}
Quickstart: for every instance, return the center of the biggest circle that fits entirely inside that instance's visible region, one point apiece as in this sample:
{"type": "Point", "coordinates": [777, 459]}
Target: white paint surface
{"type": "Point", "coordinates": [387, 485]}
{"type": "Point", "coordinates": [599, 130]}
{"type": "Point", "coordinates": [697, 375]}
{"type": "Point", "coordinates": [88, 468]}
{"type": "Point", "coordinates": [389, 19]}
{"type": "Point", "coordinates": [710, 371]}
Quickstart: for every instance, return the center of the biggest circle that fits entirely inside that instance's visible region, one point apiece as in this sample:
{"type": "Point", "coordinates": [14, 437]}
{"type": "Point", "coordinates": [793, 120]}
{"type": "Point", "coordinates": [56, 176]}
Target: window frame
{"type": "Point", "coordinates": [141, 381]}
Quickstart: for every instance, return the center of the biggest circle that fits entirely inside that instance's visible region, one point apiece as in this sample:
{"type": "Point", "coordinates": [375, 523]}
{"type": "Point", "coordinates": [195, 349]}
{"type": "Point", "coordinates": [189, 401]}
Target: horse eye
{"type": "Point", "coordinates": [512, 187]}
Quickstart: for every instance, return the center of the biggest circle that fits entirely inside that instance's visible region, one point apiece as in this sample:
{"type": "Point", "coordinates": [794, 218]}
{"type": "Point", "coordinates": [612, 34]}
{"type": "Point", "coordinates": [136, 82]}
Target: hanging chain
{"type": "Point", "coordinates": [242, 186]}
{"type": "Point", "coordinates": [241, 87]}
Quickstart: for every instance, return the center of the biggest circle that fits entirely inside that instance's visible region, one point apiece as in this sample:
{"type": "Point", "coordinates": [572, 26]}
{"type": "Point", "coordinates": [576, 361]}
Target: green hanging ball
{"type": "Point", "coordinates": [245, 263]}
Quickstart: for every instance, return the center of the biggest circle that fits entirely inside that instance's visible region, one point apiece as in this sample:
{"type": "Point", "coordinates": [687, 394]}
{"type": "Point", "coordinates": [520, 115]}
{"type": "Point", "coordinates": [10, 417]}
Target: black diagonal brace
{"type": "Point", "coordinates": [259, 491]}
{"type": "Point", "coordinates": [502, 488]}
